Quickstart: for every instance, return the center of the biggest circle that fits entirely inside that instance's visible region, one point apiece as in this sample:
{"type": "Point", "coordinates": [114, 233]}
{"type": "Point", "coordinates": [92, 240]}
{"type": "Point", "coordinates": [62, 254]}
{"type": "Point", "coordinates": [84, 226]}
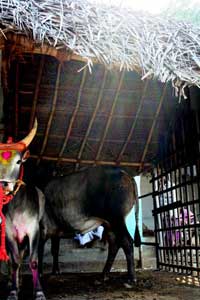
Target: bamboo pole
{"type": "Point", "coordinates": [152, 127]}
{"type": "Point", "coordinates": [37, 87]}
{"type": "Point", "coordinates": [134, 123]}
{"type": "Point", "coordinates": [52, 113]}
{"type": "Point", "coordinates": [69, 129]}
{"type": "Point", "coordinates": [99, 99]}
{"type": "Point", "coordinates": [110, 116]}
{"type": "Point", "coordinates": [91, 162]}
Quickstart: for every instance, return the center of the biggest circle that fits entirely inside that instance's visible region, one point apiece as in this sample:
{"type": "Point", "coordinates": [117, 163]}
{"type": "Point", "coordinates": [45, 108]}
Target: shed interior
{"type": "Point", "coordinates": [105, 117]}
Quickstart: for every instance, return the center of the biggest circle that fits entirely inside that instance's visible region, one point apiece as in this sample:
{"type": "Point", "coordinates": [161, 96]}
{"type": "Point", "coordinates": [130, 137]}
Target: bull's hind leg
{"type": "Point", "coordinates": [55, 245]}
{"type": "Point", "coordinates": [113, 248]}
{"type": "Point", "coordinates": [127, 246]}
{"type": "Point", "coordinates": [120, 239]}
{"type": "Point", "coordinates": [34, 242]}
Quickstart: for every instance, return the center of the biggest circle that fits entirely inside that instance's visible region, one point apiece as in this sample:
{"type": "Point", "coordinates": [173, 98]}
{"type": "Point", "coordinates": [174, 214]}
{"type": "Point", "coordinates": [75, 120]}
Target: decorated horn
{"type": "Point", "coordinates": [28, 139]}
{"type": "Point", "coordinates": [23, 144]}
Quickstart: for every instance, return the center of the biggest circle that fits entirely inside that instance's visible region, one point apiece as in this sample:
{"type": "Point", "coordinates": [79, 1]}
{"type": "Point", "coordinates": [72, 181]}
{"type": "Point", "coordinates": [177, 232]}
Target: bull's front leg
{"type": "Point", "coordinates": [15, 265]}
{"type": "Point", "coordinates": [37, 288]}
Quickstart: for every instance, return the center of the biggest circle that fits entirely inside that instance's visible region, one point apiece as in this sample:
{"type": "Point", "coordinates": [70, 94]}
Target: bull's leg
{"type": "Point", "coordinates": [113, 248]}
{"type": "Point", "coordinates": [127, 246]}
{"type": "Point", "coordinates": [55, 245]}
{"type": "Point", "coordinates": [15, 265]}
{"type": "Point", "coordinates": [37, 289]}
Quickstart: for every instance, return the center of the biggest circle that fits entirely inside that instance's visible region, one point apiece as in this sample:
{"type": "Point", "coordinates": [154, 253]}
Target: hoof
{"type": "Point", "coordinates": [39, 296]}
{"type": "Point", "coordinates": [56, 272]}
{"type": "Point", "coordinates": [130, 284]}
{"type": "Point", "coordinates": [97, 282]}
{"type": "Point", "coordinates": [13, 296]}
{"type": "Point", "coordinates": [105, 278]}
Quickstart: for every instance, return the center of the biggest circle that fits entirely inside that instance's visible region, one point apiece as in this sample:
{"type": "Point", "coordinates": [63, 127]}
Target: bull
{"type": "Point", "coordinates": [22, 214]}
{"type": "Point", "coordinates": [80, 202]}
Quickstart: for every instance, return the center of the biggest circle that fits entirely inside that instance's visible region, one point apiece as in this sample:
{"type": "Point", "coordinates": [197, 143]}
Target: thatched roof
{"type": "Point", "coordinates": [88, 111]}
{"type": "Point", "coordinates": [156, 47]}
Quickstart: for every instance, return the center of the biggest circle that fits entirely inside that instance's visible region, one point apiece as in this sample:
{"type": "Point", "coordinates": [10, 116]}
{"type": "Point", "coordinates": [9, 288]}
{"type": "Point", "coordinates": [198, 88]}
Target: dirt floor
{"type": "Point", "coordinates": [152, 285]}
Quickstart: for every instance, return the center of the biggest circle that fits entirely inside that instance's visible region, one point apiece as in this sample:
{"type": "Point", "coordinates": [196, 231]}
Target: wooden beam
{"type": "Point", "coordinates": [52, 112]}
{"type": "Point", "coordinates": [134, 123]}
{"type": "Point", "coordinates": [73, 115]}
{"type": "Point", "coordinates": [78, 137]}
{"type": "Point", "coordinates": [85, 113]}
{"type": "Point", "coordinates": [37, 87]}
{"type": "Point", "coordinates": [153, 127]}
{"type": "Point", "coordinates": [110, 116]}
{"type": "Point", "coordinates": [91, 162]}
{"type": "Point", "coordinates": [93, 116]}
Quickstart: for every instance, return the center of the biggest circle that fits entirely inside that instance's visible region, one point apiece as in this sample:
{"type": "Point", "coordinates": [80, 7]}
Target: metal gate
{"type": "Point", "coordinates": [176, 195]}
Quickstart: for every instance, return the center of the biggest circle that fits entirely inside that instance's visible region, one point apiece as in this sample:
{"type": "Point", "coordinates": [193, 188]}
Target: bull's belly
{"type": "Point", "coordinates": [84, 224]}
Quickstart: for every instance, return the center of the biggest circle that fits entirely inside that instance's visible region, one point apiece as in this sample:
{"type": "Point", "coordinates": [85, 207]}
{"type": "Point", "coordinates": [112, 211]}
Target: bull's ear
{"type": "Point", "coordinates": [25, 155]}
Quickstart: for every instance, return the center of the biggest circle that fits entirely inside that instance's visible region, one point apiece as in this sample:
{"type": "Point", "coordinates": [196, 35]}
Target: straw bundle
{"type": "Point", "coordinates": [155, 46]}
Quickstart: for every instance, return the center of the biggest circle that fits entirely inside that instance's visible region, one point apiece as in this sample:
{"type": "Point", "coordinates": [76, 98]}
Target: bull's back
{"type": "Point", "coordinates": [103, 192]}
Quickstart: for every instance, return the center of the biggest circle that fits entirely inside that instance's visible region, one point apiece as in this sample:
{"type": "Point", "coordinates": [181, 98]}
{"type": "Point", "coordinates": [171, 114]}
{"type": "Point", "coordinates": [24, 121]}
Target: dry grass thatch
{"type": "Point", "coordinates": [153, 45]}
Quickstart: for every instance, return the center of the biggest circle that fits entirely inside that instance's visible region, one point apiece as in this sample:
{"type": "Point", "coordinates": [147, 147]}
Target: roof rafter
{"type": "Point", "coordinates": [73, 116]}
{"type": "Point", "coordinates": [110, 116]}
{"type": "Point", "coordinates": [152, 127]}
{"type": "Point", "coordinates": [36, 92]}
{"type": "Point", "coordinates": [134, 123]}
{"type": "Point", "coordinates": [93, 116]}
{"type": "Point", "coordinates": [53, 108]}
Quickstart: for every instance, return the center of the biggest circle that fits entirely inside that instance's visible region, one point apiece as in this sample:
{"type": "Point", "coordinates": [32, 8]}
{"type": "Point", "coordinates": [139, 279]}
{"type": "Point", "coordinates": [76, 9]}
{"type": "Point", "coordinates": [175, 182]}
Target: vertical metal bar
{"type": "Point", "coordinates": [197, 233]}
{"type": "Point", "coordinates": [172, 218]}
{"type": "Point", "coordinates": [181, 231]}
{"type": "Point", "coordinates": [187, 221]}
{"type": "Point", "coordinates": [163, 214]}
{"type": "Point", "coordinates": [175, 212]}
{"type": "Point", "coordinates": [155, 221]}
{"type": "Point", "coordinates": [184, 192]}
{"type": "Point", "coordinates": [195, 217]}
{"type": "Point", "coordinates": [159, 225]}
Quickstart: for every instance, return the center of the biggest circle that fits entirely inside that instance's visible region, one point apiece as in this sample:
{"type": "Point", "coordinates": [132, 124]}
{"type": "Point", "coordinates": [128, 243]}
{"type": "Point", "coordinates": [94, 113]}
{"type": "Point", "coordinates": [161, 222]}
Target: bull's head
{"type": "Point", "coordinates": [12, 155]}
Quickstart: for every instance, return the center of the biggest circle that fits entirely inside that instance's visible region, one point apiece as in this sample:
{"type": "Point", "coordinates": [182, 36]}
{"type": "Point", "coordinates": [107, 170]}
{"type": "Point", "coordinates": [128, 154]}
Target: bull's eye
{"type": "Point", "coordinates": [19, 162]}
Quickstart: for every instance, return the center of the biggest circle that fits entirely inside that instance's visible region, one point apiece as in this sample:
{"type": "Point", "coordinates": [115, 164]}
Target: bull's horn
{"type": "Point", "coordinates": [28, 139]}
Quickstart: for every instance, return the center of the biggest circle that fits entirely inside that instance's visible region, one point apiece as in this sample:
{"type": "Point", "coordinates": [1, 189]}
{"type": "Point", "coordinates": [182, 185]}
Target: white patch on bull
{"type": "Point", "coordinates": [22, 225]}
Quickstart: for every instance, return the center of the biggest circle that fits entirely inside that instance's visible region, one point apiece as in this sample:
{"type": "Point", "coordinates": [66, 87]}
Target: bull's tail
{"type": "Point", "coordinates": [137, 237]}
